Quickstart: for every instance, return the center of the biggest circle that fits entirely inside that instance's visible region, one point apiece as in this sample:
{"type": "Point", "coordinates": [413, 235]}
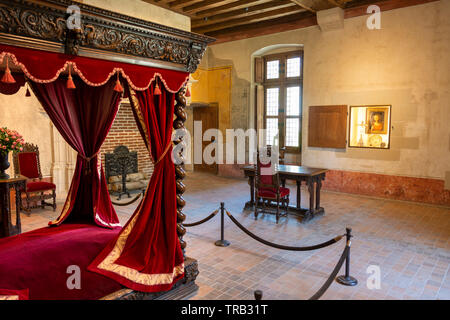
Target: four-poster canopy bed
{"type": "Point", "coordinates": [79, 76]}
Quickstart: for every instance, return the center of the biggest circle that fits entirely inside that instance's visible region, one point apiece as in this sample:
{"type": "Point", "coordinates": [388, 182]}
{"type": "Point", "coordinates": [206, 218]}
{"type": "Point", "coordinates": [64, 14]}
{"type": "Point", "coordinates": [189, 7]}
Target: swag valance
{"type": "Point", "coordinates": [146, 254]}
{"type": "Point", "coordinates": [45, 67]}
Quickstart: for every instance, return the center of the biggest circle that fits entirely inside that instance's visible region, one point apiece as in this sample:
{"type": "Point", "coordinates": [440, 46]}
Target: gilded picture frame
{"type": "Point", "coordinates": [361, 130]}
{"type": "Point", "coordinates": [377, 120]}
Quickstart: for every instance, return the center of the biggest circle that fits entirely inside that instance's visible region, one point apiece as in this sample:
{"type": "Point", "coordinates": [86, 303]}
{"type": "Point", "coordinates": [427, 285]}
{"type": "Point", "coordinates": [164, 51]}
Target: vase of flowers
{"type": "Point", "coordinates": [10, 140]}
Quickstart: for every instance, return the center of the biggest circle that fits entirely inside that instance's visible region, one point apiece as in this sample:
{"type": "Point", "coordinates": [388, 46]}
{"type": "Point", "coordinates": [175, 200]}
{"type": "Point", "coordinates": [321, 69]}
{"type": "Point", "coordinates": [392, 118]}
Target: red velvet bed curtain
{"type": "Point", "coordinates": [146, 255]}
{"type": "Point", "coordinates": [83, 116]}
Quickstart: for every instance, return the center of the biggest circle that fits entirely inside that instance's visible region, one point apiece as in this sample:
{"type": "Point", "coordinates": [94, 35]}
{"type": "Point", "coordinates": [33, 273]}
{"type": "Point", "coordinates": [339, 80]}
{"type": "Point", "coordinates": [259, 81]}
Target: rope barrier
{"type": "Point", "coordinates": [279, 246]}
{"type": "Point", "coordinates": [201, 221]}
{"type": "Point", "coordinates": [332, 276]}
{"type": "Point", "coordinates": [127, 203]}
{"type": "Point", "coordinates": [345, 280]}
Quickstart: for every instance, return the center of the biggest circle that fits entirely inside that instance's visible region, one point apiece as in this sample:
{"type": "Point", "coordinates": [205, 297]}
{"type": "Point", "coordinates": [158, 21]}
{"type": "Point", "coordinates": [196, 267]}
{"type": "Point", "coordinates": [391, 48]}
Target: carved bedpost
{"type": "Point", "coordinates": [180, 173]}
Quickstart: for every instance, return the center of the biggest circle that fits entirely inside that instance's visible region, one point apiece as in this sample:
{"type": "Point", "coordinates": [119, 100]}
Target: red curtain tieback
{"type": "Point", "coordinates": [164, 153]}
{"type": "Point", "coordinates": [88, 162]}
{"type": "Point", "coordinates": [88, 158]}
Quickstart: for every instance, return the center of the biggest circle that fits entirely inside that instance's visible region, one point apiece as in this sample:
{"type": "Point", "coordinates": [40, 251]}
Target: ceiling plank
{"type": "Point", "coordinates": [339, 3]}
{"type": "Point", "coordinates": [240, 12]}
{"type": "Point", "coordinates": [303, 5]}
{"type": "Point", "coordinates": [359, 7]}
{"type": "Point", "coordinates": [303, 19]}
{"type": "Point", "coordinates": [165, 4]}
{"type": "Point", "coordinates": [203, 5]}
{"type": "Point", "coordinates": [182, 3]}
{"type": "Point", "coordinates": [223, 8]}
{"type": "Point", "coordinates": [336, 3]}
{"type": "Point", "coordinates": [248, 19]}
{"type": "Point", "coordinates": [290, 22]}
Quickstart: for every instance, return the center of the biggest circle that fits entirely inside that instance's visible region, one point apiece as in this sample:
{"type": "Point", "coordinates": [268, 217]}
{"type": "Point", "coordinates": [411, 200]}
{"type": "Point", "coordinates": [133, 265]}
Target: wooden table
{"type": "Point", "coordinates": [6, 227]}
{"type": "Point", "coordinates": [313, 178]}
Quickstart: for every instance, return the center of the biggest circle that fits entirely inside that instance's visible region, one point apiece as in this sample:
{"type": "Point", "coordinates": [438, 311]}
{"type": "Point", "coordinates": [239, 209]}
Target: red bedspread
{"type": "Point", "coordinates": [38, 261]}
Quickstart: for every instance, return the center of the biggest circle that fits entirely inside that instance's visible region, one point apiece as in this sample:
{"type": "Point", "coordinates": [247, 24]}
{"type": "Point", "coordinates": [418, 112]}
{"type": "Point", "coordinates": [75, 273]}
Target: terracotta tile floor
{"type": "Point", "coordinates": [408, 241]}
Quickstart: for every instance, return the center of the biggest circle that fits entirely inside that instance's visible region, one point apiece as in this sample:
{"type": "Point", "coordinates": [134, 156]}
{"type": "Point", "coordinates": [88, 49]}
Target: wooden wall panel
{"type": "Point", "coordinates": [327, 126]}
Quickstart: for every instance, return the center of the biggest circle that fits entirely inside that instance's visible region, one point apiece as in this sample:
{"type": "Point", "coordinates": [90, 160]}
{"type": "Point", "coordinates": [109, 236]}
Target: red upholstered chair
{"type": "Point", "coordinates": [281, 153]}
{"type": "Point", "coordinates": [268, 188]}
{"type": "Point", "coordinates": [26, 163]}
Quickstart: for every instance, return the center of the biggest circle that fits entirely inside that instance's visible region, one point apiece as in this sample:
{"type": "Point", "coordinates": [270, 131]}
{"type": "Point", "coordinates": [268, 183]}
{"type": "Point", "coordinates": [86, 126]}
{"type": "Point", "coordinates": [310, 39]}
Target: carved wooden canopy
{"type": "Point", "coordinates": [102, 34]}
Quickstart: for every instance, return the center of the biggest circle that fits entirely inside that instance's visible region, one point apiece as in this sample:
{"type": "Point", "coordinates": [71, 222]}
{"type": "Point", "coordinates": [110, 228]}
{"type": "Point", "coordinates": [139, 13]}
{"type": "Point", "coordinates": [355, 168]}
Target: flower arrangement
{"type": "Point", "coordinates": [10, 140]}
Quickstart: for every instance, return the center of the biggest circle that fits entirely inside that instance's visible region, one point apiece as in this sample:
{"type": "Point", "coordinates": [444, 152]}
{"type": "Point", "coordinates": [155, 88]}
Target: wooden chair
{"type": "Point", "coordinates": [281, 152]}
{"type": "Point", "coordinates": [27, 163]}
{"type": "Point", "coordinates": [268, 188]}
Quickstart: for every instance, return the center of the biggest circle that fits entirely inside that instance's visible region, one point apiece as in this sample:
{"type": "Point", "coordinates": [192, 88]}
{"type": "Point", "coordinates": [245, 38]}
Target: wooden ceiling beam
{"type": "Point", "coordinates": [336, 4]}
{"type": "Point", "coordinates": [303, 19]}
{"type": "Point", "coordinates": [249, 19]}
{"type": "Point", "coordinates": [240, 12]}
{"type": "Point", "coordinates": [165, 4]}
{"type": "Point", "coordinates": [339, 3]}
{"type": "Point", "coordinates": [224, 8]}
{"type": "Point", "coordinates": [204, 5]}
{"type": "Point", "coordinates": [302, 4]}
{"type": "Point", "coordinates": [290, 22]}
{"type": "Point", "coordinates": [182, 3]}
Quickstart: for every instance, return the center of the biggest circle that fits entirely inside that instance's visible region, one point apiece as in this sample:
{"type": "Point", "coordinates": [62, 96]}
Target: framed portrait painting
{"type": "Point", "coordinates": [377, 120]}
{"type": "Point", "coordinates": [370, 126]}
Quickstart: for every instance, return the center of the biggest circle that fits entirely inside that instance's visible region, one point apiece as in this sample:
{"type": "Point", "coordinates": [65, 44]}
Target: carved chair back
{"type": "Point", "coordinates": [266, 174]}
{"type": "Point", "coordinates": [281, 153]}
{"type": "Point", "coordinates": [27, 162]}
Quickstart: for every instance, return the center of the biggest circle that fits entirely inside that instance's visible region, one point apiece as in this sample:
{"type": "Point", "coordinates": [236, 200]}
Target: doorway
{"type": "Point", "coordinates": [209, 116]}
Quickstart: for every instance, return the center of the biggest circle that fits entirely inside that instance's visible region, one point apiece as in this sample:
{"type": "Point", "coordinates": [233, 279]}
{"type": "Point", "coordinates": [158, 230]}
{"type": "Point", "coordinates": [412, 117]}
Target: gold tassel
{"type": "Point", "coordinates": [7, 77]}
{"type": "Point", "coordinates": [70, 83]}
{"type": "Point", "coordinates": [118, 86]}
{"type": "Point", "coordinates": [157, 91]}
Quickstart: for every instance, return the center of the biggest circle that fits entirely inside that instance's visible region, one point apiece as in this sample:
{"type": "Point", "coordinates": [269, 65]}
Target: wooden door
{"type": "Point", "coordinates": [209, 116]}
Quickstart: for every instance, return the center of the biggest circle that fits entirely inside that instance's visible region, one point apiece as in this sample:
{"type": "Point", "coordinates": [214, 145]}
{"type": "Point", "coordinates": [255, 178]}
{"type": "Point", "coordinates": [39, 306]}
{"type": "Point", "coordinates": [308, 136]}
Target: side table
{"type": "Point", "coordinates": [6, 227]}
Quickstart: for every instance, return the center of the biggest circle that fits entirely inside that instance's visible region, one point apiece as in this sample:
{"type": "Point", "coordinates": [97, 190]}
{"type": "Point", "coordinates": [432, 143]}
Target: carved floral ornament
{"type": "Point", "coordinates": [132, 37]}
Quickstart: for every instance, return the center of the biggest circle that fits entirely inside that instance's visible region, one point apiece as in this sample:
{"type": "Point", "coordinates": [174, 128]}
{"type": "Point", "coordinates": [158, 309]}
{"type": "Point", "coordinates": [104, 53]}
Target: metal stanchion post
{"type": "Point", "coordinates": [222, 242]}
{"type": "Point", "coordinates": [258, 294]}
{"type": "Point", "coordinates": [346, 279]}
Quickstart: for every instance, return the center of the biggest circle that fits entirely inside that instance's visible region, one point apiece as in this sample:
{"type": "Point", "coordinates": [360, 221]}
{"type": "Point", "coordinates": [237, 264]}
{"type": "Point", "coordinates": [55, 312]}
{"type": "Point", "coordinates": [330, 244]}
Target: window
{"type": "Point", "coordinates": [283, 99]}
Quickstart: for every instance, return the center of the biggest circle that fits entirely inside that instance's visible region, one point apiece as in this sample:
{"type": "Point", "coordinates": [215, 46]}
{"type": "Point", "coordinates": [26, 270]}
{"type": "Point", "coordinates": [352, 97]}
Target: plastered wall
{"type": "Point", "coordinates": [145, 11]}
{"type": "Point", "coordinates": [26, 116]}
{"type": "Point", "coordinates": [214, 85]}
{"type": "Point", "coordinates": [404, 64]}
